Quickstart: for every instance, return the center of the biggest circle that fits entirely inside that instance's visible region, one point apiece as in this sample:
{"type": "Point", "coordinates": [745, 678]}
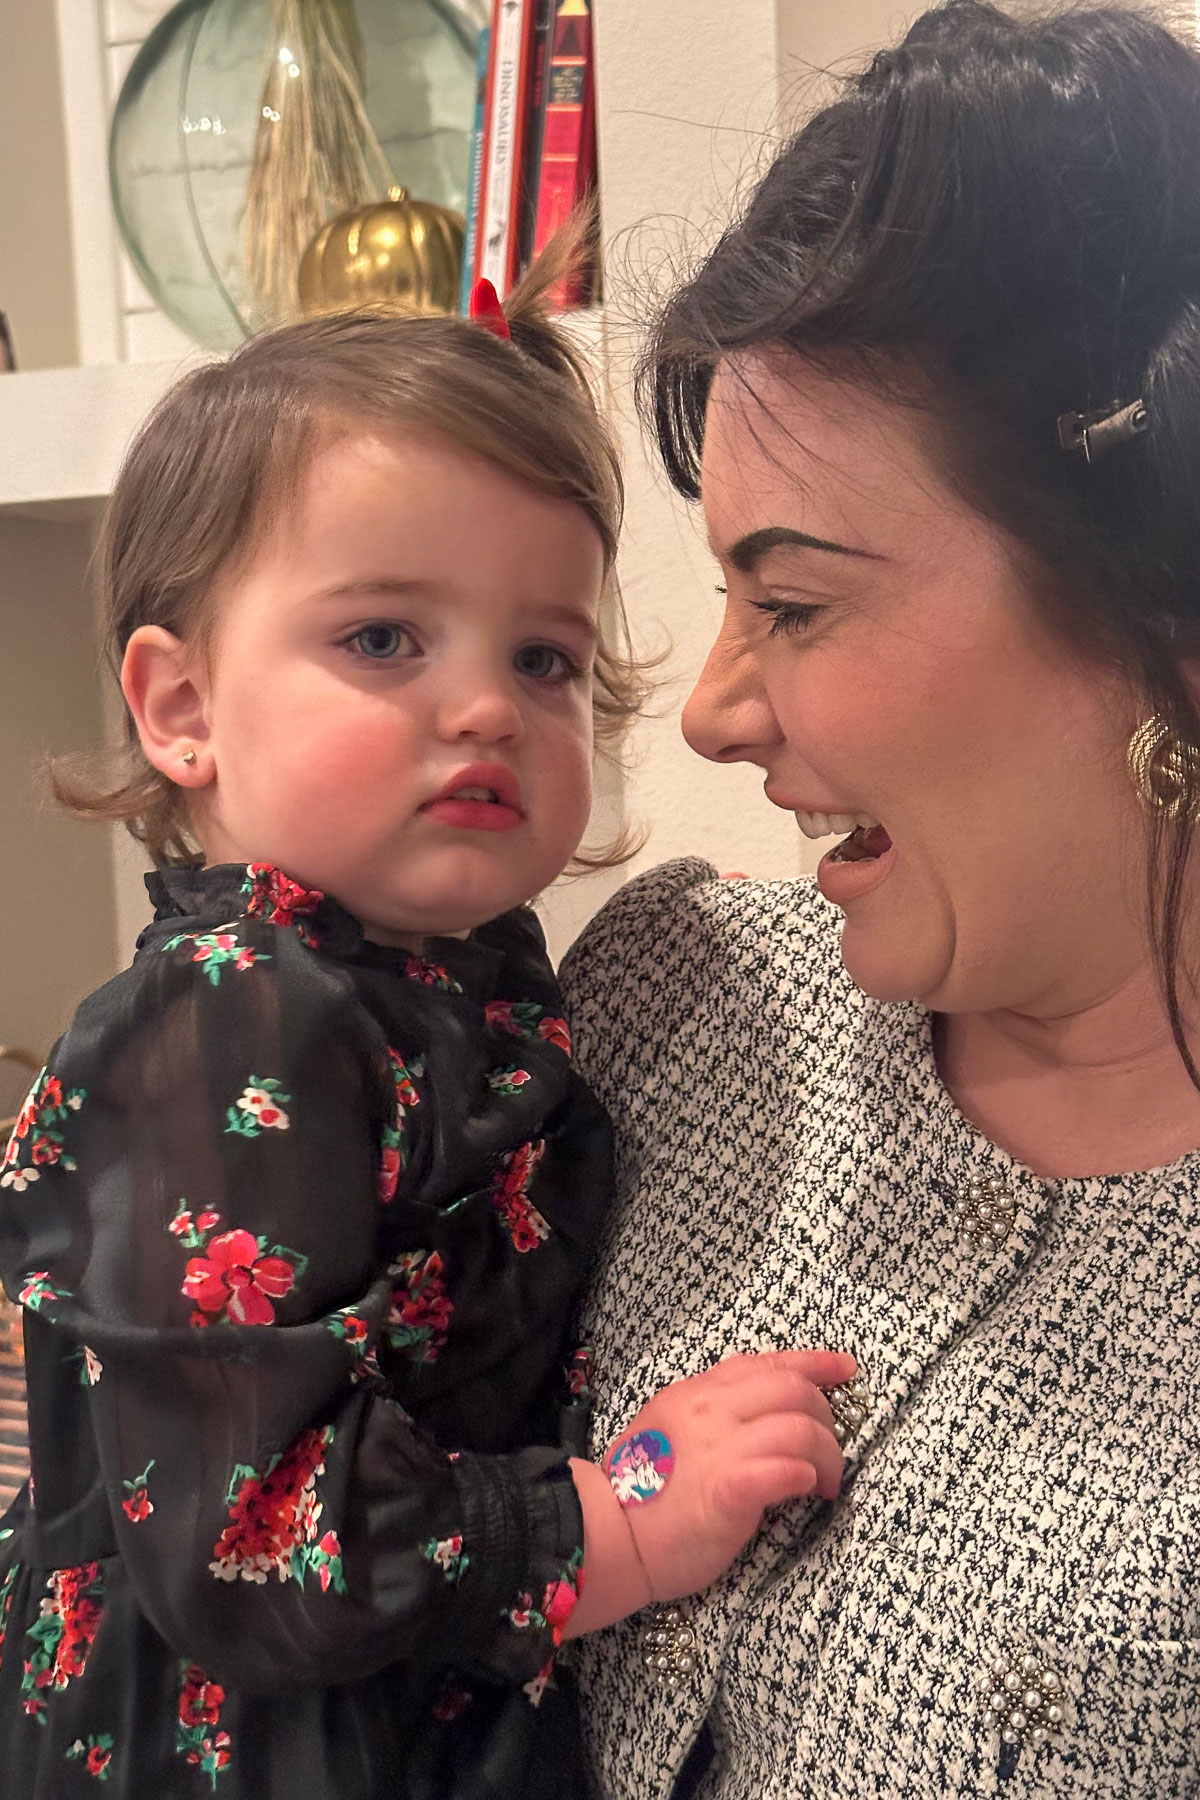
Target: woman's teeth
{"type": "Point", "coordinates": [820, 825]}
{"type": "Point", "coordinates": [475, 793]}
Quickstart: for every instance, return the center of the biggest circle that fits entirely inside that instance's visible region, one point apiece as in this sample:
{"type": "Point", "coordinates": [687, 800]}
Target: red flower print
{"type": "Point", "coordinates": [200, 1700]}
{"type": "Point", "coordinates": [259, 1108]}
{"type": "Point", "coordinates": [216, 941]}
{"type": "Point", "coordinates": [389, 1173]}
{"type": "Point", "coordinates": [96, 1755]}
{"type": "Point", "coordinates": [329, 1547]}
{"type": "Point", "coordinates": [274, 1520]}
{"type": "Point", "coordinates": [420, 1312]}
{"type": "Point", "coordinates": [234, 1280]}
{"type": "Point", "coordinates": [579, 1373]}
{"type": "Point", "coordinates": [200, 1703]}
{"type": "Point", "coordinates": [271, 895]}
{"type": "Point", "coordinates": [522, 1018]}
{"type": "Point", "coordinates": [44, 1114]}
{"type": "Point", "coordinates": [521, 1614]}
{"type": "Point", "coordinates": [393, 1152]}
{"type": "Point", "coordinates": [526, 1226]}
{"type": "Point", "coordinates": [556, 1032]}
{"type": "Point", "coordinates": [449, 1556]}
{"type": "Point", "coordinates": [430, 975]}
{"type": "Point", "coordinates": [265, 1109]}
{"type": "Point", "coordinates": [558, 1603]}
{"type": "Point", "coordinates": [62, 1633]}
{"type": "Point", "coordinates": [137, 1504]}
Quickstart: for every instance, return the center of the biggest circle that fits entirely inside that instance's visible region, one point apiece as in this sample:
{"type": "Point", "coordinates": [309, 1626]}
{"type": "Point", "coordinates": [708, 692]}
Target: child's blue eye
{"type": "Point", "coordinates": [542, 663]}
{"type": "Point", "coordinates": [380, 642]}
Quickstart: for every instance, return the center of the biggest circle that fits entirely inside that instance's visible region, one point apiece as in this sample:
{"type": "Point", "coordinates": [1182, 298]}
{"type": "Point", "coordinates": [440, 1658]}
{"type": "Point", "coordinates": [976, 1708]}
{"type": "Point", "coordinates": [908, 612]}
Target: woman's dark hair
{"type": "Point", "coordinates": [998, 222]}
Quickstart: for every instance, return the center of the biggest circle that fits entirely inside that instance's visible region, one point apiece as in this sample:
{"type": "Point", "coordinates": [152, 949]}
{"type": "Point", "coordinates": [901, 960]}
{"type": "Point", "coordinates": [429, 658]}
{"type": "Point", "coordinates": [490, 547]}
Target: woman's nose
{"type": "Point", "coordinates": [728, 717]}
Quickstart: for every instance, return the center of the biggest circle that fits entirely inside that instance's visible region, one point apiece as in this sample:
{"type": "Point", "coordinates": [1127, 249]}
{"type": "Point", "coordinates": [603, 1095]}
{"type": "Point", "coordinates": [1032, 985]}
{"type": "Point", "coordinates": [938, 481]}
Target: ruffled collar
{"type": "Point", "coordinates": [205, 899]}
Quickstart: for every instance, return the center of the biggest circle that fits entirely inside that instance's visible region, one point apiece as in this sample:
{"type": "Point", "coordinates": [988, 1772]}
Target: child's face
{"type": "Point", "coordinates": [420, 621]}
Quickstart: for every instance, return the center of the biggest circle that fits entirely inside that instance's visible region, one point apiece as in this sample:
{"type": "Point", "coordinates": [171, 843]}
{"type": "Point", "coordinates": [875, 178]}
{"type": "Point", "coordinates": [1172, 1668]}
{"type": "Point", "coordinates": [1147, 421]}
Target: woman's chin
{"type": "Point", "coordinates": [893, 964]}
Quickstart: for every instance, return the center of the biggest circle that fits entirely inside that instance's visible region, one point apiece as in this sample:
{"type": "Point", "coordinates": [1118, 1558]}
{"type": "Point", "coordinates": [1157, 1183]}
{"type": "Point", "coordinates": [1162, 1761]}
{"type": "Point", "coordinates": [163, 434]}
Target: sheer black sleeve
{"type": "Point", "coordinates": [193, 1205]}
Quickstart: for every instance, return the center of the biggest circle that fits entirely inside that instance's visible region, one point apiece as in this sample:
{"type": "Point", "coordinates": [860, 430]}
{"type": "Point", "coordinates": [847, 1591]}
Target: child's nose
{"type": "Point", "coordinates": [483, 707]}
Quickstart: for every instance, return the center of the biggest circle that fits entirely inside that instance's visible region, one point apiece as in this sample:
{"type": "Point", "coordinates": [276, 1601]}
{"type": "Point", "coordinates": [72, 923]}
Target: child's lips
{"type": "Point", "coordinates": [483, 784]}
{"type": "Point", "coordinates": [473, 815]}
{"type": "Point", "coordinates": [482, 797]}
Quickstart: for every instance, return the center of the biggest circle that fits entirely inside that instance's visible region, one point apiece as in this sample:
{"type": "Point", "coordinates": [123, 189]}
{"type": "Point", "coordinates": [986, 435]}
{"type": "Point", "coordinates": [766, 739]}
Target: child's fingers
{"type": "Point", "coordinates": [823, 1368]}
{"type": "Point", "coordinates": [768, 1481]}
{"type": "Point", "coordinates": [779, 1391]}
{"type": "Point", "coordinates": [794, 1437]}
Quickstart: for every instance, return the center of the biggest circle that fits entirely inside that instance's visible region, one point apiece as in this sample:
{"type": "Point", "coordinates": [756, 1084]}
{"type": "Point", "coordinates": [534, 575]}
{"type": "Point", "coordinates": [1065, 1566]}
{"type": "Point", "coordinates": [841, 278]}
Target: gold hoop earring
{"type": "Point", "coordinates": [189, 757]}
{"type": "Point", "coordinates": [1164, 769]}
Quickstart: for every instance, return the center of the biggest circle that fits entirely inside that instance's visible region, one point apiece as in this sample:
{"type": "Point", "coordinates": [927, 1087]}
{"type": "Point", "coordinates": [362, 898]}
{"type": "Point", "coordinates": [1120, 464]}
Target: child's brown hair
{"type": "Point", "coordinates": [225, 450]}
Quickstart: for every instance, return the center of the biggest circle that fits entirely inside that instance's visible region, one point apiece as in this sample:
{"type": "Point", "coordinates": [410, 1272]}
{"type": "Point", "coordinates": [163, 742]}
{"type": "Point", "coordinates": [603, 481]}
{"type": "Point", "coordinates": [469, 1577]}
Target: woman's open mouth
{"type": "Point", "coordinates": [866, 843]}
{"type": "Point", "coordinates": [866, 840]}
{"type": "Point", "coordinates": [861, 860]}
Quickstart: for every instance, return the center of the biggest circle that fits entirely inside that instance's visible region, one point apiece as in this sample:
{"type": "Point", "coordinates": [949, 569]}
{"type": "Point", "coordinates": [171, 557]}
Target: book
{"type": "Point", "coordinates": [475, 169]}
{"type": "Point", "coordinates": [567, 162]}
{"type": "Point", "coordinates": [531, 161]}
{"type": "Point", "coordinates": [505, 131]}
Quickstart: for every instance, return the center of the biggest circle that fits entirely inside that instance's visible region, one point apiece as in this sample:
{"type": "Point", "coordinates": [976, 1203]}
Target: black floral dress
{"type": "Point", "coordinates": [297, 1222]}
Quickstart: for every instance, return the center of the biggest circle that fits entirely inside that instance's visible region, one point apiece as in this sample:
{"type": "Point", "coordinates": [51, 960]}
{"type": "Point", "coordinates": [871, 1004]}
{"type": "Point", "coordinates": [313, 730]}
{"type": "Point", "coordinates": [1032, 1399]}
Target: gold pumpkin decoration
{"type": "Point", "coordinates": [408, 252]}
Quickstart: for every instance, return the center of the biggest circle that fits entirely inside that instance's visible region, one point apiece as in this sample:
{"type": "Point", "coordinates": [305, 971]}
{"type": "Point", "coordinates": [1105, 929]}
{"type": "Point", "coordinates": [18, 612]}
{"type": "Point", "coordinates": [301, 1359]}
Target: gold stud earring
{"type": "Point", "coordinates": [1164, 769]}
{"type": "Point", "coordinates": [189, 757]}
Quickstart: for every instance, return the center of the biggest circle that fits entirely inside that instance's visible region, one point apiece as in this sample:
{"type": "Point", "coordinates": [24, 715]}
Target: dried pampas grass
{"type": "Point", "coordinates": [315, 152]}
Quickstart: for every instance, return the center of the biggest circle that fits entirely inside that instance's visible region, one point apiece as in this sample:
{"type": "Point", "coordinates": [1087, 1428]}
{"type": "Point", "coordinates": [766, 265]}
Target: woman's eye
{"type": "Point", "coordinates": [788, 617]}
{"type": "Point", "coordinates": [381, 642]}
{"type": "Point", "coordinates": [543, 663]}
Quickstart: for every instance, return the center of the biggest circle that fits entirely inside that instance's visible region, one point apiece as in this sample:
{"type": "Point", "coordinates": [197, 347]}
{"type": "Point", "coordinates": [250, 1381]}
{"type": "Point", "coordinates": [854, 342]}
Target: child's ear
{"type": "Point", "coordinates": [165, 690]}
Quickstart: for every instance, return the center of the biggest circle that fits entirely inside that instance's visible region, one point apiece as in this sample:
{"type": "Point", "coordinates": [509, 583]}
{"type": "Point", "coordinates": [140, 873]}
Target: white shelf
{"type": "Point", "coordinates": [63, 433]}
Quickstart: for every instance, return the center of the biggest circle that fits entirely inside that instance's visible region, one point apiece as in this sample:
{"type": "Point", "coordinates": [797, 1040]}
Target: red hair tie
{"type": "Point", "coordinates": [485, 308]}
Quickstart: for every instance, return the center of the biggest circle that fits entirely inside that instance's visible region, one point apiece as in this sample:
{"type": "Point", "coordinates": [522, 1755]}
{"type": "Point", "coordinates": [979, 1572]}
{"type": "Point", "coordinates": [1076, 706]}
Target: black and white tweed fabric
{"type": "Point", "coordinates": [1027, 1482]}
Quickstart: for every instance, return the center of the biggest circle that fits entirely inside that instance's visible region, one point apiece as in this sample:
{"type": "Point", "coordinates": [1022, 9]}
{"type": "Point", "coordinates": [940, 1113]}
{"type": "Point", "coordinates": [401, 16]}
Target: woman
{"type": "Point", "coordinates": [939, 391]}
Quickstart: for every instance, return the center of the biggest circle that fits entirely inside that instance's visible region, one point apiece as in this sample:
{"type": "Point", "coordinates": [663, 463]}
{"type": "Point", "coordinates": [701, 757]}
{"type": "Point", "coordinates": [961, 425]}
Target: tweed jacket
{"type": "Point", "coordinates": [1015, 1546]}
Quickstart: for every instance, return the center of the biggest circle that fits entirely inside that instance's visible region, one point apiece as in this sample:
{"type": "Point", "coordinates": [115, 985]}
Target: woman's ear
{"type": "Point", "coordinates": [166, 693]}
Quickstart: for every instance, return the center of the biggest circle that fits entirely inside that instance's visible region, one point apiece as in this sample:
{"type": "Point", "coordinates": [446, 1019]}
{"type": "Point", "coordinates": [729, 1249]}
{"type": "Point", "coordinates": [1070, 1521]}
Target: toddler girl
{"type": "Point", "coordinates": [300, 1207]}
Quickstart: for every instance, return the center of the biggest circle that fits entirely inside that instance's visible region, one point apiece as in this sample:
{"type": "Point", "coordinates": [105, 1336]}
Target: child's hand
{"type": "Point", "coordinates": [746, 1434]}
{"type": "Point", "coordinates": [742, 1436]}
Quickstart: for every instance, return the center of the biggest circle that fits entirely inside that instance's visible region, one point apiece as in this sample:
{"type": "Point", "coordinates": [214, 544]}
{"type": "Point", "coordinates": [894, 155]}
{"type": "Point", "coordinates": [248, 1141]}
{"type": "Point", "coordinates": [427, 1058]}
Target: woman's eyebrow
{"type": "Point", "coordinates": [748, 551]}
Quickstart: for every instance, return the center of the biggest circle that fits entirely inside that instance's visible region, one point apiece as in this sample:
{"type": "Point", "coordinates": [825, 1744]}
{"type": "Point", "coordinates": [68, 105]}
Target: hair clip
{"type": "Point", "coordinates": [485, 308]}
{"type": "Point", "coordinates": [1096, 433]}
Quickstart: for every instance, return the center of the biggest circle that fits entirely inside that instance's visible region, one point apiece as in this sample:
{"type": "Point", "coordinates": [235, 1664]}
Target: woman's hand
{"type": "Point", "coordinates": [744, 1435]}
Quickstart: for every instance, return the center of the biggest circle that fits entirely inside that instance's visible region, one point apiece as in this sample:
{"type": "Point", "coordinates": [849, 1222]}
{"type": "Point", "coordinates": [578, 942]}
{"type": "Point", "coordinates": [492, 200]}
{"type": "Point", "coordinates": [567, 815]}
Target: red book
{"type": "Point", "coordinates": [568, 159]}
{"type": "Point", "coordinates": [506, 124]}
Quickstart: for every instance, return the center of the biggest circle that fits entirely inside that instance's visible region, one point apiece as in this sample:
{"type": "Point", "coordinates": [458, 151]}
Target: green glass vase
{"type": "Point", "coordinates": [191, 137]}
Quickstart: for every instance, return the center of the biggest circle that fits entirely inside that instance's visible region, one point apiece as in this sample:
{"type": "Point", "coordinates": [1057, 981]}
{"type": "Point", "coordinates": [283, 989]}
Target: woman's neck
{"type": "Point", "coordinates": [1100, 1090]}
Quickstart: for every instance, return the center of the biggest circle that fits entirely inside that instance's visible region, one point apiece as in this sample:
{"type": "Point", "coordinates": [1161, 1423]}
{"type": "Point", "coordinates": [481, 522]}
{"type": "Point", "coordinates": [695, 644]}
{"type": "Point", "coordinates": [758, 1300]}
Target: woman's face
{"type": "Point", "coordinates": [881, 660]}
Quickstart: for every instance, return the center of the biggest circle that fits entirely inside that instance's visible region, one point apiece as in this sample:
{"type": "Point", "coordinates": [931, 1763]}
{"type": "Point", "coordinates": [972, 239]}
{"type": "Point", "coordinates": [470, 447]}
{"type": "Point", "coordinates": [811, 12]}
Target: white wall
{"type": "Point", "coordinates": [36, 262]}
{"type": "Point", "coordinates": [692, 100]}
{"type": "Point", "coordinates": [55, 879]}
{"type": "Point", "coordinates": [692, 96]}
